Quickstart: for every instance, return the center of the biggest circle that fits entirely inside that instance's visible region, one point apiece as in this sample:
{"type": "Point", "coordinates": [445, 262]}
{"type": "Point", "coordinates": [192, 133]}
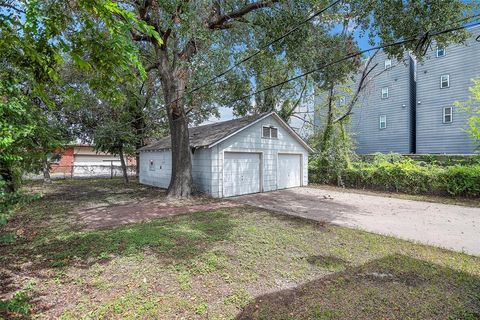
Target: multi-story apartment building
{"type": "Point", "coordinates": [409, 107]}
{"type": "Point", "coordinates": [383, 118]}
{"type": "Point", "coordinates": [444, 77]}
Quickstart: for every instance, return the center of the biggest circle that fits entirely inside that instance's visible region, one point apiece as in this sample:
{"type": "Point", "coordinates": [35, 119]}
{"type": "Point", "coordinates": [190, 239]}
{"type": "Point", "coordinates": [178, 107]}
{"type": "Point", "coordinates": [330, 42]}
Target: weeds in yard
{"type": "Point", "coordinates": [19, 305]}
{"type": "Point", "coordinates": [241, 263]}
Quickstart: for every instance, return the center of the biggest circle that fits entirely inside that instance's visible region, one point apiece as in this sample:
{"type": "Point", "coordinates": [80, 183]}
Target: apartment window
{"type": "Point", "coordinates": [445, 81]}
{"type": "Point", "coordinates": [269, 132]}
{"type": "Point", "coordinates": [151, 165]}
{"type": "Point", "coordinates": [440, 52]}
{"type": "Point", "coordinates": [383, 122]}
{"type": "Point", "coordinates": [388, 63]}
{"type": "Point", "coordinates": [447, 115]}
{"type": "Point", "coordinates": [385, 93]}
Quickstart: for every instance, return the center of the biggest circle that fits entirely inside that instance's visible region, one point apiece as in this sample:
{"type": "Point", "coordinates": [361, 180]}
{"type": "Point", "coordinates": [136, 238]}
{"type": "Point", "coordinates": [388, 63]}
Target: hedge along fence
{"type": "Point", "coordinates": [401, 174]}
{"type": "Point", "coordinates": [443, 160]}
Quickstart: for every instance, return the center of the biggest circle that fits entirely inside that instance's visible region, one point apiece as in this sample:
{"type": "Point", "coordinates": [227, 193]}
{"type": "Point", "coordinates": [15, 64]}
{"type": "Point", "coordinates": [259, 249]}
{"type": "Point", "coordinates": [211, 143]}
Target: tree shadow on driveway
{"type": "Point", "coordinates": [291, 202]}
{"type": "Point", "coordinates": [393, 287]}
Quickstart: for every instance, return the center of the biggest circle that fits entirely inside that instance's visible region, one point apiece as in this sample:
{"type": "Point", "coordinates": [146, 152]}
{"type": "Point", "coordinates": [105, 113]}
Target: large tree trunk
{"type": "Point", "coordinates": [327, 133]}
{"type": "Point", "coordinates": [46, 171]}
{"type": "Point", "coordinates": [124, 165]}
{"type": "Point", "coordinates": [181, 181]}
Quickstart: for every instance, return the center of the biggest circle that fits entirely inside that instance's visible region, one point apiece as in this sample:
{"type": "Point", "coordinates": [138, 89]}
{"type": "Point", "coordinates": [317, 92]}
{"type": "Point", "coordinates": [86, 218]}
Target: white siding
{"type": "Point", "coordinates": [159, 175]}
{"type": "Point", "coordinates": [250, 140]}
{"type": "Point", "coordinates": [202, 170]}
{"type": "Point", "coordinates": [208, 170]}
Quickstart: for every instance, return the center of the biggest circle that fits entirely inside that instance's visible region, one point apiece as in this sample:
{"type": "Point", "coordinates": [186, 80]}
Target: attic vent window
{"type": "Point", "coordinates": [274, 133]}
{"type": "Point", "coordinates": [269, 132]}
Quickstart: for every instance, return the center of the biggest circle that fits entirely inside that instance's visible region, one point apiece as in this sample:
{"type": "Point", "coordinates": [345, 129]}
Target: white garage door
{"type": "Point", "coordinates": [97, 160]}
{"type": "Point", "coordinates": [289, 171]}
{"type": "Point", "coordinates": [241, 173]}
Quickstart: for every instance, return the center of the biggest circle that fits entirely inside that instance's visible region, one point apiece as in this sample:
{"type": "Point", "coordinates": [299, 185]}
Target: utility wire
{"type": "Point", "coordinates": [265, 46]}
{"type": "Point", "coordinates": [347, 57]}
{"type": "Point", "coordinates": [356, 54]}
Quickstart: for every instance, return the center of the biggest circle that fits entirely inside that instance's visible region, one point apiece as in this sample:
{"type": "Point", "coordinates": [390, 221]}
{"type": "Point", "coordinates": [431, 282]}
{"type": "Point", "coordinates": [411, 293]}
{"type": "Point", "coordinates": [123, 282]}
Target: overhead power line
{"type": "Point", "coordinates": [356, 54]}
{"type": "Point", "coordinates": [265, 46]}
{"type": "Point", "coordinates": [420, 38]}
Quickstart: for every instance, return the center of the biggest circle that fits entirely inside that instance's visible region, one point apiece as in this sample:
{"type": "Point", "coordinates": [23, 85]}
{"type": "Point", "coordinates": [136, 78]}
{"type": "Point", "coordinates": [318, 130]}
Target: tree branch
{"type": "Point", "coordinates": [220, 21]}
{"type": "Point", "coordinates": [140, 37]}
{"type": "Point", "coordinates": [361, 85]}
{"type": "Point", "coordinates": [189, 50]}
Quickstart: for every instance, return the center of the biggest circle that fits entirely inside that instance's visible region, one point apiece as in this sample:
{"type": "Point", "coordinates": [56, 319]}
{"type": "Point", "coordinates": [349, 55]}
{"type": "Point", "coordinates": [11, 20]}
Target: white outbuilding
{"type": "Point", "coordinates": [248, 155]}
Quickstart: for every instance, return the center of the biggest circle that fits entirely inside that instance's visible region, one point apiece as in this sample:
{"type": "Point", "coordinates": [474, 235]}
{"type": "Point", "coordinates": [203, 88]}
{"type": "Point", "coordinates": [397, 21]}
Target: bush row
{"type": "Point", "coordinates": [401, 174]}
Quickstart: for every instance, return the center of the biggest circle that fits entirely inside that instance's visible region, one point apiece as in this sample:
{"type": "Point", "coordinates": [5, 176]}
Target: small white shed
{"type": "Point", "coordinates": [248, 155]}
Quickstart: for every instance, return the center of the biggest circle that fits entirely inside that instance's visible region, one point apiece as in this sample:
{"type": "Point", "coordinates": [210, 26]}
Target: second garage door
{"type": "Point", "coordinates": [241, 173]}
{"type": "Point", "coordinates": [289, 171]}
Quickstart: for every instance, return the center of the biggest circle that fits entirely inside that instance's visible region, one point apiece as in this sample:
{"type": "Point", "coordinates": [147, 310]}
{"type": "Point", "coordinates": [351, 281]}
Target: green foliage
{"type": "Point", "coordinates": [19, 305]}
{"type": "Point", "coordinates": [462, 180]}
{"type": "Point", "coordinates": [393, 172]}
{"type": "Point", "coordinates": [472, 106]}
{"type": "Point", "coordinates": [36, 39]}
{"type": "Point", "coordinates": [8, 203]}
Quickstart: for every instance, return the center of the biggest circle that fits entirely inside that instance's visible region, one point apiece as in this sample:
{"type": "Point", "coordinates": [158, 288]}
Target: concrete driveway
{"type": "Point", "coordinates": [448, 226]}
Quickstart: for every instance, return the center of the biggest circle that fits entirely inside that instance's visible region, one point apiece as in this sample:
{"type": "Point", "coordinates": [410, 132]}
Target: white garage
{"type": "Point", "coordinates": [248, 155]}
{"type": "Point", "coordinates": [290, 169]}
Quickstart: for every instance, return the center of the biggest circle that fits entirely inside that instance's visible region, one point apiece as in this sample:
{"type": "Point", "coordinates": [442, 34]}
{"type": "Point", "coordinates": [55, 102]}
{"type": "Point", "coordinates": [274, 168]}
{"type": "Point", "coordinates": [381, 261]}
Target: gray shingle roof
{"type": "Point", "coordinates": [204, 136]}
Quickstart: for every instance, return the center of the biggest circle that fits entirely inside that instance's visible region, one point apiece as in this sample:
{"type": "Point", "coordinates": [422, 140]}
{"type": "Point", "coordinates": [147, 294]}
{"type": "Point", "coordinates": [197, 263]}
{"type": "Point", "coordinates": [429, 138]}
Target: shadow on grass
{"type": "Point", "coordinates": [180, 237]}
{"type": "Point", "coordinates": [175, 239]}
{"type": "Point", "coordinates": [394, 287]}
{"type": "Point", "coordinates": [91, 189]}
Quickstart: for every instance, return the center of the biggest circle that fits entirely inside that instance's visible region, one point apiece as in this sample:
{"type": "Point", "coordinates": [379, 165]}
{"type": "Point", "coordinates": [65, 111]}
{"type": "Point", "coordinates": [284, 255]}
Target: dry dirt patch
{"type": "Point", "coordinates": [108, 216]}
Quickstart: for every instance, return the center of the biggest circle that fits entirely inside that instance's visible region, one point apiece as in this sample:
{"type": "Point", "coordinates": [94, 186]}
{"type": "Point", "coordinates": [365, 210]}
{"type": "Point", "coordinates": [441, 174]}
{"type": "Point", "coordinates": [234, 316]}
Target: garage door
{"type": "Point", "coordinates": [241, 173]}
{"type": "Point", "coordinates": [98, 160]}
{"type": "Point", "coordinates": [289, 171]}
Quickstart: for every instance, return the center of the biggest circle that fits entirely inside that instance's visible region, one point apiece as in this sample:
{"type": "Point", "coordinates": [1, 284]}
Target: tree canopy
{"type": "Point", "coordinates": [174, 62]}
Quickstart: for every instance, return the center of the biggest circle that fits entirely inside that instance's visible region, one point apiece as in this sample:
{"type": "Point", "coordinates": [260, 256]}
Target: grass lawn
{"type": "Point", "coordinates": [230, 263]}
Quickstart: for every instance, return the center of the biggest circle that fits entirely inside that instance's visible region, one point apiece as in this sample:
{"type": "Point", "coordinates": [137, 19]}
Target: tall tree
{"type": "Point", "coordinates": [35, 36]}
{"type": "Point", "coordinates": [201, 38]}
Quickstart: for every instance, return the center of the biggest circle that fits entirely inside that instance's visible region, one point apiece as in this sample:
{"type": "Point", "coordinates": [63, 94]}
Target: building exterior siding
{"type": "Point", "coordinates": [462, 64]}
{"type": "Point", "coordinates": [414, 108]}
{"type": "Point", "coordinates": [250, 140]}
{"type": "Point", "coordinates": [397, 108]}
{"type": "Point", "coordinates": [207, 163]}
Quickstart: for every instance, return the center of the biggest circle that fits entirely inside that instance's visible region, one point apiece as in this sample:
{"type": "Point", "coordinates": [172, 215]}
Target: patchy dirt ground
{"type": "Point", "coordinates": [225, 263]}
{"type": "Point", "coordinates": [99, 216]}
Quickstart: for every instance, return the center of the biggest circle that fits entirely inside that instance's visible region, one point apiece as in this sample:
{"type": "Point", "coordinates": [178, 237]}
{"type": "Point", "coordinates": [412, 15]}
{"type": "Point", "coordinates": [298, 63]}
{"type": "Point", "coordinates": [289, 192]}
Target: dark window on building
{"type": "Point", "coordinates": [269, 132]}
{"type": "Point", "coordinates": [440, 52]}
{"type": "Point", "coordinates": [447, 115]}
{"type": "Point", "coordinates": [273, 133]}
{"type": "Point", "coordinates": [445, 81]}
{"type": "Point", "coordinates": [383, 122]}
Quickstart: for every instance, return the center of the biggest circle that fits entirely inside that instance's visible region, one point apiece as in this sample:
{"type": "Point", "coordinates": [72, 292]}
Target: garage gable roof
{"type": "Point", "coordinates": [209, 135]}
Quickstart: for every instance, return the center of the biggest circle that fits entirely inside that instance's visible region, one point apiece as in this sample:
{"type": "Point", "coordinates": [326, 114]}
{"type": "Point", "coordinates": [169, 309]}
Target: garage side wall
{"type": "Point", "coordinates": [202, 170]}
{"type": "Point", "coordinates": [158, 173]}
{"type": "Point", "coordinates": [156, 168]}
{"type": "Point", "coordinates": [250, 140]}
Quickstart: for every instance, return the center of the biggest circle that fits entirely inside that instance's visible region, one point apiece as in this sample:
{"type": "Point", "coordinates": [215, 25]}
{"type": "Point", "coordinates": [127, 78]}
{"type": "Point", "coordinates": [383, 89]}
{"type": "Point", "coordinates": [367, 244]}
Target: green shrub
{"type": "Point", "coordinates": [393, 172]}
{"type": "Point", "coordinates": [462, 180]}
